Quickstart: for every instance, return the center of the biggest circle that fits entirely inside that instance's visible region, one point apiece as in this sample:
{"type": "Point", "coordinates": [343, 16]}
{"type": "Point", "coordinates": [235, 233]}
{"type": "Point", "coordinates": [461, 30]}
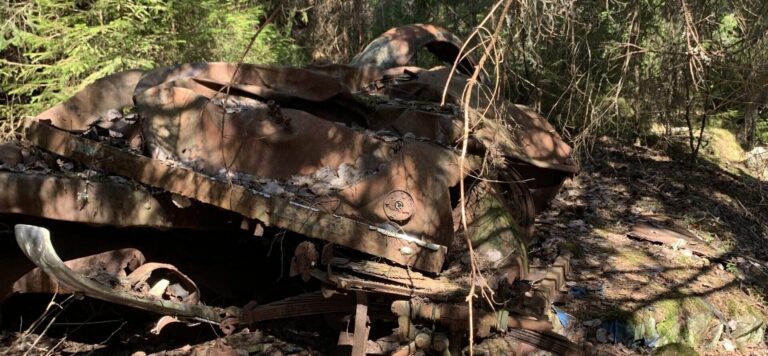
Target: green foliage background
{"type": "Point", "coordinates": [52, 48]}
{"type": "Point", "coordinates": [618, 68]}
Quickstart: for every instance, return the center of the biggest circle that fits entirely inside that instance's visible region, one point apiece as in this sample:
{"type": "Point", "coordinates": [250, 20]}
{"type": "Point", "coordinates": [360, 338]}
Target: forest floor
{"type": "Point", "coordinates": [618, 278]}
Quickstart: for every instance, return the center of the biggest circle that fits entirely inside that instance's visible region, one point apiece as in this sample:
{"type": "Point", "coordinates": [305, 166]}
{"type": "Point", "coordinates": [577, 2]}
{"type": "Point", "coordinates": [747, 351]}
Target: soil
{"type": "Point", "coordinates": [621, 184]}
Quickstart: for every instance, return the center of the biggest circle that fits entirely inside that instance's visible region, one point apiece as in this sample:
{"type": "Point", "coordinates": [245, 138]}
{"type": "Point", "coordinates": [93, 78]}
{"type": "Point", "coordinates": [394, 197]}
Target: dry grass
{"type": "Point", "coordinates": [9, 124]}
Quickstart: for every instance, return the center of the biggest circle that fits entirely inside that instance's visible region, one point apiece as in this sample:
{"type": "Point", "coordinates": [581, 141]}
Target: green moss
{"type": "Point", "coordinates": [685, 260]}
{"type": "Point", "coordinates": [676, 349]}
{"type": "Point", "coordinates": [750, 323]}
{"type": "Point", "coordinates": [687, 320]}
{"type": "Point", "coordinates": [495, 234]}
{"type": "Point", "coordinates": [737, 306]}
{"type": "Point", "coordinates": [707, 236]}
{"type": "Point", "coordinates": [668, 326]}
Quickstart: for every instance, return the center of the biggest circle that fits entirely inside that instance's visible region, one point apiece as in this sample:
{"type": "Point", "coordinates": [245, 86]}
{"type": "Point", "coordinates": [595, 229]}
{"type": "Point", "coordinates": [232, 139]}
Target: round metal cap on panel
{"type": "Point", "coordinates": [398, 206]}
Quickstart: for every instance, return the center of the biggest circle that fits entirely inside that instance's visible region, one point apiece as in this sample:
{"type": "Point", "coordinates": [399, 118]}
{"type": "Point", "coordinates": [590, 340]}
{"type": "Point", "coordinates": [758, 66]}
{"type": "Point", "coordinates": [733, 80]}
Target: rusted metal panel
{"type": "Point", "coordinates": [102, 203]}
{"type": "Point", "coordinates": [273, 210]}
{"type": "Point", "coordinates": [517, 130]}
{"type": "Point", "coordinates": [295, 307]}
{"type": "Point", "coordinates": [516, 133]}
{"type": "Point", "coordinates": [361, 78]}
{"type": "Point", "coordinates": [35, 242]}
{"type": "Point", "coordinates": [456, 315]}
{"type": "Point", "coordinates": [182, 123]}
{"type": "Point", "coordinates": [172, 285]}
{"type": "Point", "coordinates": [399, 45]}
{"type": "Point", "coordinates": [524, 342]}
{"type": "Point", "coordinates": [665, 231]}
{"type": "Point", "coordinates": [362, 327]}
{"type": "Point", "coordinates": [362, 275]}
{"type": "Point", "coordinates": [496, 224]}
{"type": "Point", "coordinates": [272, 82]}
{"type": "Point", "coordinates": [105, 266]}
{"type": "Point", "coordinates": [87, 106]}
{"type": "Point", "coordinates": [10, 154]}
{"type": "Point", "coordinates": [384, 346]}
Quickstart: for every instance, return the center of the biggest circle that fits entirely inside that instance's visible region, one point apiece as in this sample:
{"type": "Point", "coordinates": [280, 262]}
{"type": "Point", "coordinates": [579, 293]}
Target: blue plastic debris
{"type": "Point", "coordinates": [621, 332]}
{"type": "Point", "coordinates": [581, 292]}
{"type": "Point", "coordinates": [565, 318]}
{"type": "Point", "coordinates": [578, 292]}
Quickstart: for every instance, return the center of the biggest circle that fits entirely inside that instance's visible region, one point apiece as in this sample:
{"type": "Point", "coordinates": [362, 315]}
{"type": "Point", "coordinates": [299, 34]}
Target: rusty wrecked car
{"type": "Point", "coordinates": [142, 179]}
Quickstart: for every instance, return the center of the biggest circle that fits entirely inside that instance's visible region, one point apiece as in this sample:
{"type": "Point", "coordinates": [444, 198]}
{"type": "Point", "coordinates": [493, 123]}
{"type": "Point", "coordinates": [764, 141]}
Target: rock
{"type": "Point", "coordinates": [750, 330]}
{"type": "Point", "coordinates": [578, 224]}
{"type": "Point", "coordinates": [746, 323]}
{"type": "Point", "coordinates": [690, 321]}
{"type": "Point", "coordinates": [757, 157]}
{"type": "Point", "coordinates": [728, 346]}
{"type": "Point", "coordinates": [592, 323]}
{"type": "Point", "coordinates": [646, 331]}
{"type": "Point", "coordinates": [466, 258]}
{"type": "Point", "coordinates": [601, 335]}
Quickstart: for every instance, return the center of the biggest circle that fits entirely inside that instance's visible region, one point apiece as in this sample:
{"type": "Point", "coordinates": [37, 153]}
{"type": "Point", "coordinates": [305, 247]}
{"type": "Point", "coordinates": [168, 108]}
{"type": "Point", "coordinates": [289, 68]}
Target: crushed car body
{"type": "Point", "coordinates": [360, 162]}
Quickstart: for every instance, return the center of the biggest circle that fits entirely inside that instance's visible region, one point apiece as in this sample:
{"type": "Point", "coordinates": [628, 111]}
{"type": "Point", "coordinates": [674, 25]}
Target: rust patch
{"type": "Point", "coordinates": [666, 232]}
{"type": "Point", "coordinates": [269, 209]}
{"type": "Point", "coordinates": [107, 203]}
{"type": "Point", "coordinates": [304, 260]}
{"type": "Point", "coordinates": [397, 46]}
{"type": "Point", "coordinates": [107, 267]}
{"type": "Point", "coordinates": [87, 106]}
{"type": "Point", "coordinates": [163, 281]}
{"type": "Point", "coordinates": [398, 206]}
{"type": "Point", "coordinates": [35, 242]}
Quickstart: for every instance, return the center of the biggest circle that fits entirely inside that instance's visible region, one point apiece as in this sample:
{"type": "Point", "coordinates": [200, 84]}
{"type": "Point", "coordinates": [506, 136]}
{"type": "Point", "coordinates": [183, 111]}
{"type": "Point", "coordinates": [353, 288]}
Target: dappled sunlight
{"type": "Point", "coordinates": [623, 277]}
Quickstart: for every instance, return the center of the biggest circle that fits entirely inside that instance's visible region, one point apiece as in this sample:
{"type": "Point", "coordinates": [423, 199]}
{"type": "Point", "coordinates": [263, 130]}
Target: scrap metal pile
{"type": "Point", "coordinates": [358, 163]}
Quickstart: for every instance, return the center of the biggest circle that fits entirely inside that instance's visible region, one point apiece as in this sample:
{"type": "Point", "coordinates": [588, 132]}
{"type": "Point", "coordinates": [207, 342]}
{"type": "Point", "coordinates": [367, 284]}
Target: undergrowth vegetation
{"type": "Point", "coordinates": [51, 48]}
